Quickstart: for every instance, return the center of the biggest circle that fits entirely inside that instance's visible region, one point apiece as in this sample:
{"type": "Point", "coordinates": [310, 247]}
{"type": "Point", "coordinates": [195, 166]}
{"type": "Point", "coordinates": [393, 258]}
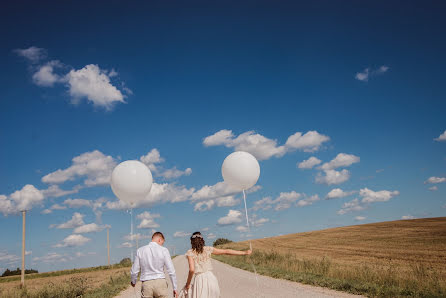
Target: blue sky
{"type": "Point", "coordinates": [181, 85]}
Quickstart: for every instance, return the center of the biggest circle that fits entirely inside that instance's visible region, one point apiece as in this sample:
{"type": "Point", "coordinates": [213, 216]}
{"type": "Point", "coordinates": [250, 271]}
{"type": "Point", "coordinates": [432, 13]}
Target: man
{"type": "Point", "coordinates": [151, 260]}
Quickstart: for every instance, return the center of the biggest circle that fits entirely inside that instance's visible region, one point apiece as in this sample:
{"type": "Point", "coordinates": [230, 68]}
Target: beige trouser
{"type": "Point", "coordinates": [156, 288]}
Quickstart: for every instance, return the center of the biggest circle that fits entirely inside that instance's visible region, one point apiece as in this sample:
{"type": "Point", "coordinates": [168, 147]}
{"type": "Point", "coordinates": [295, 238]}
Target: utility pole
{"type": "Point", "coordinates": [22, 280]}
{"type": "Point", "coordinates": [108, 245]}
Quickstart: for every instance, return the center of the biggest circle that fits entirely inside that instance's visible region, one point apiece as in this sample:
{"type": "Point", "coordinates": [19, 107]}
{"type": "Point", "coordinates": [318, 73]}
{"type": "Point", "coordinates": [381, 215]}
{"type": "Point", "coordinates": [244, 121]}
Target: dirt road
{"type": "Point", "coordinates": [235, 283]}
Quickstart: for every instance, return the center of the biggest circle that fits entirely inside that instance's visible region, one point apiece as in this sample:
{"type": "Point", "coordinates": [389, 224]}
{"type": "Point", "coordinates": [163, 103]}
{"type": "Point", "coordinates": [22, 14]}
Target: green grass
{"type": "Point", "coordinates": [364, 279]}
{"type": "Point", "coordinates": [74, 287]}
{"type": "Point", "coordinates": [62, 272]}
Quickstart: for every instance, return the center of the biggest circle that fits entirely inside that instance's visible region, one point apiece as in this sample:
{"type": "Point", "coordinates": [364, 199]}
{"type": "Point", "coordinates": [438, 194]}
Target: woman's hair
{"type": "Point", "coordinates": [197, 242]}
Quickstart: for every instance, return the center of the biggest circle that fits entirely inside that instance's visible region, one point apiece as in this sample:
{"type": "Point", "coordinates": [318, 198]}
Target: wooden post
{"type": "Point", "coordinates": [22, 280]}
{"type": "Point", "coordinates": [108, 245]}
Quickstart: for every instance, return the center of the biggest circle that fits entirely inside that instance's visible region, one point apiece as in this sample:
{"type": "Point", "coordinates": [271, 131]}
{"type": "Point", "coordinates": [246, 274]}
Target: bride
{"type": "Point", "coordinates": [199, 258]}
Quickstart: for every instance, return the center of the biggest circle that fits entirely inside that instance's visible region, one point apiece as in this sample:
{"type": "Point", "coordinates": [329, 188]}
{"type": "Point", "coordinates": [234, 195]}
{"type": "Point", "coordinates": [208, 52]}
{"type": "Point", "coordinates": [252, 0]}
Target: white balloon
{"type": "Point", "coordinates": [240, 170]}
{"type": "Point", "coordinates": [131, 181]}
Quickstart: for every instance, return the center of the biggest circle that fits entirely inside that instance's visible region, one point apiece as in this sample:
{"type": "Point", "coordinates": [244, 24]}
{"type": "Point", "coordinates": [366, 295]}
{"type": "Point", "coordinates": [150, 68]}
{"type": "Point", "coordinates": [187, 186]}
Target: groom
{"type": "Point", "coordinates": [151, 260]}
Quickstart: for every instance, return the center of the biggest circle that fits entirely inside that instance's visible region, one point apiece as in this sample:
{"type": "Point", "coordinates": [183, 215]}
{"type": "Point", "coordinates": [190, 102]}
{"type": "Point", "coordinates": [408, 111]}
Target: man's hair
{"type": "Point", "coordinates": [158, 234]}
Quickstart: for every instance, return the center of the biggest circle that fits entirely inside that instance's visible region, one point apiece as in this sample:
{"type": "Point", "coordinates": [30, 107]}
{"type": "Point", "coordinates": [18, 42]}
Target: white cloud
{"type": "Point", "coordinates": [27, 197]}
{"type": "Point", "coordinates": [45, 76]}
{"type": "Point", "coordinates": [259, 222]}
{"type": "Point", "coordinates": [6, 258]}
{"type": "Point", "coordinates": [231, 218]}
{"type": "Point", "coordinates": [228, 201]}
{"type": "Point", "coordinates": [6, 206]}
{"type": "Point", "coordinates": [360, 218]}
{"type": "Point", "coordinates": [95, 166]}
{"type": "Point", "coordinates": [181, 234]}
{"type": "Point", "coordinates": [264, 148]}
{"type": "Point", "coordinates": [370, 196]}
{"type": "Point", "coordinates": [88, 228]}
{"type": "Point", "coordinates": [308, 201]}
{"type": "Point", "coordinates": [76, 220]}
{"type": "Point", "coordinates": [53, 207]}
{"type": "Point", "coordinates": [337, 193]}
{"type": "Point", "coordinates": [433, 188]}
{"type": "Point", "coordinates": [138, 236]}
{"type": "Point", "coordinates": [77, 203]}
{"type": "Point", "coordinates": [211, 236]}
{"type": "Point", "coordinates": [54, 191]}
{"type": "Point", "coordinates": [93, 83]}
{"type": "Point", "coordinates": [353, 205]}
{"type": "Point", "coordinates": [341, 160]}
{"type": "Point", "coordinates": [125, 245]}
{"type": "Point", "coordinates": [175, 173]}
{"type": "Point", "coordinates": [367, 73]}
{"type": "Point", "coordinates": [309, 163]}
{"type": "Point", "coordinates": [73, 240]}
{"type": "Point", "coordinates": [309, 142]}
{"type": "Point", "coordinates": [435, 180]}
{"type": "Point", "coordinates": [51, 257]}
{"type": "Point", "coordinates": [152, 158]}
{"type": "Point", "coordinates": [220, 189]}
{"type": "Point", "coordinates": [148, 220]}
{"type": "Point", "coordinates": [333, 177]}
{"type": "Point", "coordinates": [284, 201]}
{"type": "Point", "coordinates": [33, 54]}
{"type": "Point", "coordinates": [442, 137]}
{"type": "Point", "coordinates": [241, 229]}
{"type": "Point", "coordinates": [204, 205]}
{"type": "Point", "coordinates": [408, 217]}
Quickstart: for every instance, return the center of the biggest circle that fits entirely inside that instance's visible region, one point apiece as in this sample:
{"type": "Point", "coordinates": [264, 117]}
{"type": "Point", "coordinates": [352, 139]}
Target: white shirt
{"type": "Point", "coordinates": [151, 259]}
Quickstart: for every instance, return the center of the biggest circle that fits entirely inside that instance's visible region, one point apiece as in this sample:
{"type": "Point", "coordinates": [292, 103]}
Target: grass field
{"type": "Point", "coordinates": [98, 282]}
{"type": "Point", "coordinates": [391, 259]}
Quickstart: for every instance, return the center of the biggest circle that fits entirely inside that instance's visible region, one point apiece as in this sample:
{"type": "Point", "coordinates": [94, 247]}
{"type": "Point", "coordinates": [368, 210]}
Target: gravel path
{"type": "Point", "coordinates": [236, 283]}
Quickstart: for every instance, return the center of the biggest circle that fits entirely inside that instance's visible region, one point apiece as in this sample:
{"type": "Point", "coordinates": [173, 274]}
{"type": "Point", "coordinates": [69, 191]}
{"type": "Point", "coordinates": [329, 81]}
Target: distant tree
{"type": "Point", "coordinates": [126, 262]}
{"type": "Point", "coordinates": [221, 241]}
{"type": "Point", "coordinates": [17, 272]}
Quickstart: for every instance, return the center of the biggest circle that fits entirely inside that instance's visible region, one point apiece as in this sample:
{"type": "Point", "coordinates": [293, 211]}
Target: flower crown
{"type": "Point", "coordinates": [196, 236]}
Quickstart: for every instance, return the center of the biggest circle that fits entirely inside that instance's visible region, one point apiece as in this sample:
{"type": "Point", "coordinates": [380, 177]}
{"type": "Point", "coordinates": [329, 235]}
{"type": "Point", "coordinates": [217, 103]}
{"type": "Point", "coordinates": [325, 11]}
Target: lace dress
{"type": "Point", "coordinates": [205, 284]}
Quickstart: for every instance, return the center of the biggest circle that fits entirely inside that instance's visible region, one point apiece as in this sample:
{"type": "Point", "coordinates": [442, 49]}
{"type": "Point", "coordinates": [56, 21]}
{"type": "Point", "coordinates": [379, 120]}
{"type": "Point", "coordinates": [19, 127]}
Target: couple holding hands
{"type": "Point", "coordinates": [151, 260]}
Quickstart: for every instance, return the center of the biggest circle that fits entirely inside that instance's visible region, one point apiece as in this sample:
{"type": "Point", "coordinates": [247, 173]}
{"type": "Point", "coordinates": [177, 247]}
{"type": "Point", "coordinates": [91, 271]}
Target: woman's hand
{"type": "Point", "coordinates": [248, 252]}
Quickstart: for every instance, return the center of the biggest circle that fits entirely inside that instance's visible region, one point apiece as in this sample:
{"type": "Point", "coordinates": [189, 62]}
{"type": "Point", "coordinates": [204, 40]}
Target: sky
{"type": "Point", "coordinates": [341, 103]}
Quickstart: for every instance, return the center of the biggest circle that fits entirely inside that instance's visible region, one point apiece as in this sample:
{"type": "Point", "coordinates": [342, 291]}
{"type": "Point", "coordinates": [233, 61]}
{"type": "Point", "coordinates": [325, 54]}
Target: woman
{"type": "Point", "coordinates": [199, 258]}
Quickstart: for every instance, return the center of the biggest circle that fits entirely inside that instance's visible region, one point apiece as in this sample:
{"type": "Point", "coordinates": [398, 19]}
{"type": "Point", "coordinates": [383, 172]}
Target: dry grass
{"type": "Point", "coordinates": [91, 282]}
{"type": "Point", "coordinates": [398, 258]}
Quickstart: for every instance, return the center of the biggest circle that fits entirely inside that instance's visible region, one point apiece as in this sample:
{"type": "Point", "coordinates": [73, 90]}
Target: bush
{"type": "Point", "coordinates": [126, 262]}
{"type": "Point", "coordinates": [18, 271]}
{"type": "Point", "coordinates": [221, 241]}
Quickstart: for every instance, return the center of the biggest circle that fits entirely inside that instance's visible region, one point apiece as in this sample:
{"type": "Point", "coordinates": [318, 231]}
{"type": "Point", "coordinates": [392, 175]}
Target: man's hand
{"type": "Point", "coordinates": [133, 285]}
{"type": "Point", "coordinates": [175, 294]}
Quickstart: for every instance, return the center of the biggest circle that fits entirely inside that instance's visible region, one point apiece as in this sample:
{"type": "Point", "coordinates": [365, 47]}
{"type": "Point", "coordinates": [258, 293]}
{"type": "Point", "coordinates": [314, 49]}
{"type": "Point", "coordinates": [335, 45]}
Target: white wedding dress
{"type": "Point", "coordinates": [205, 284]}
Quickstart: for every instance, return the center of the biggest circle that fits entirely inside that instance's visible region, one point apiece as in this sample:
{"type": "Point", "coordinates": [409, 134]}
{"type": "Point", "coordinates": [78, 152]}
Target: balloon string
{"type": "Point", "coordinates": [131, 234]}
{"type": "Point", "coordinates": [250, 243]}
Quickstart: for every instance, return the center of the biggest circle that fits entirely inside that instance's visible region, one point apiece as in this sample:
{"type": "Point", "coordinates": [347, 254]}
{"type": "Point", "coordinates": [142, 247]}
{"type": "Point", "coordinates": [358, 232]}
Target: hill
{"type": "Point", "coordinates": [396, 258]}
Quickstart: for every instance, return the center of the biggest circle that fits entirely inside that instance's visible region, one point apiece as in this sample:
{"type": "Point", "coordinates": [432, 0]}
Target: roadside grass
{"type": "Point", "coordinates": [61, 272]}
{"type": "Point", "coordinates": [390, 259]}
{"type": "Point", "coordinates": [87, 282]}
{"type": "Point", "coordinates": [366, 280]}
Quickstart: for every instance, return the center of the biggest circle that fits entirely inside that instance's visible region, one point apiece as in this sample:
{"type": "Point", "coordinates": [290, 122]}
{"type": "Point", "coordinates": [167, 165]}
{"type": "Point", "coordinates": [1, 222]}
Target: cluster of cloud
{"type": "Point", "coordinates": [90, 82]}
{"type": "Point", "coordinates": [441, 138]}
{"type": "Point", "coordinates": [368, 73]}
{"type": "Point", "coordinates": [148, 220]}
{"type": "Point", "coordinates": [153, 158]}
{"type": "Point", "coordinates": [337, 193]}
{"type": "Point", "coordinates": [435, 180]}
{"type": "Point", "coordinates": [328, 174]}
{"type": "Point", "coordinates": [368, 197]}
{"type": "Point", "coordinates": [79, 227]}
{"type": "Point", "coordinates": [264, 148]}
{"type": "Point", "coordinates": [284, 201]}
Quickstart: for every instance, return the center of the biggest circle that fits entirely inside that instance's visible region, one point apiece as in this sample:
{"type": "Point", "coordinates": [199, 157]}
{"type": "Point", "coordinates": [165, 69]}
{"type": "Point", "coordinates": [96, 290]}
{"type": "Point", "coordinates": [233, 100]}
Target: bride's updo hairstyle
{"type": "Point", "coordinates": [197, 242]}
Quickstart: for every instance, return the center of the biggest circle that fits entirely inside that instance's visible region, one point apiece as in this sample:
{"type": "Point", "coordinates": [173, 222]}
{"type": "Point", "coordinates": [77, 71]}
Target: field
{"type": "Point", "coordinates": [398, 258]}
{"type": "Point", "coordinates": [101, 281]}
